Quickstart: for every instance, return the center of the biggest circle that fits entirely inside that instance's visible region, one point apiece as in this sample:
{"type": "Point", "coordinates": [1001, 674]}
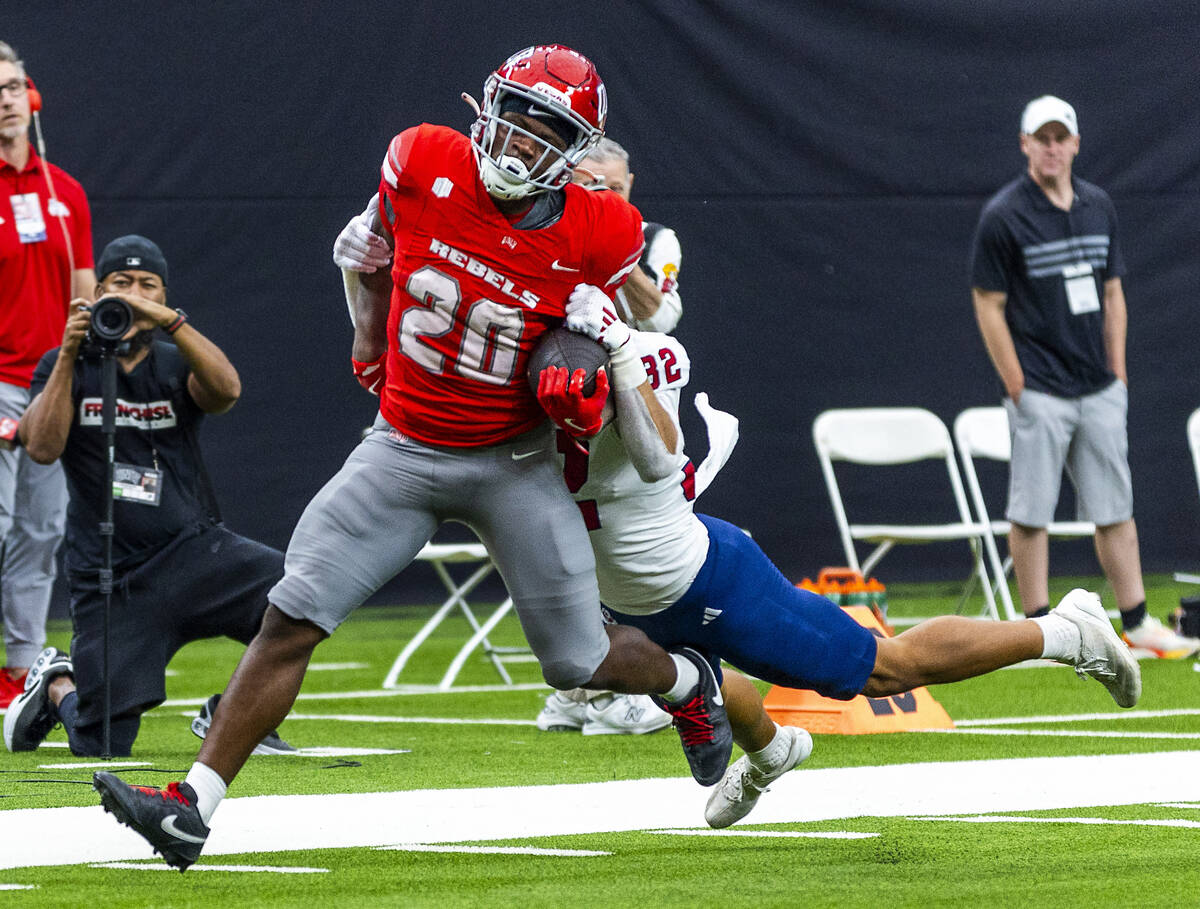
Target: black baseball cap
{"type": "Point", "coordinates": [131, 253]}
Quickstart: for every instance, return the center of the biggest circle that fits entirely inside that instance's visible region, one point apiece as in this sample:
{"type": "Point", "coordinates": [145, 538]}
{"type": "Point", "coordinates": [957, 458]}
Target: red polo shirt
{"type": "Point", "coordinates": [35, 271]}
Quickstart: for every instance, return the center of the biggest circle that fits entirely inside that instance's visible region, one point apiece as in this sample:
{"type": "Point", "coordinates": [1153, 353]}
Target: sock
{"type": "Point", "coordinates": [210, 789]}
{"type": "Point", "coordinates": [1060, 638]}
{"type": "Point", "coordinates": [774, 754]}
{"type": "Point", "coordinates": [687, 677]}
{"type": "Point", "coordinates": [1038, 613]}
{"type": "Point", "coordinates": [1131, 618]}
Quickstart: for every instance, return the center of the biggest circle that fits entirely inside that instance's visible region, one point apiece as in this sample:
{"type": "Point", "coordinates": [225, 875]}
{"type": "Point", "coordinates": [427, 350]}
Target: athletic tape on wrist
{"type": "Point", "coordinates": [625, 369]}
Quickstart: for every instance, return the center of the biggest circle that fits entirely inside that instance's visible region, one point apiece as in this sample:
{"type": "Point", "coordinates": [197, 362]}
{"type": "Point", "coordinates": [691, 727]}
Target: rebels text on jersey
{"type": "Point", "coordinates": [472, 293]}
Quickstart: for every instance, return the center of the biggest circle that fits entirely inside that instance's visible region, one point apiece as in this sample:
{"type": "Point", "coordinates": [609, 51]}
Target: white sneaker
{"type": "Point", "coordinates": [743, 783]}
{"type": "Point", "coordinates": [1102, 655]}
{"type": "Point", "coordinates": [623, 714]}
{"type": "Point", "coordinates": [562, 713]}
{"type": "Point", "coordinates": [1160, 641]}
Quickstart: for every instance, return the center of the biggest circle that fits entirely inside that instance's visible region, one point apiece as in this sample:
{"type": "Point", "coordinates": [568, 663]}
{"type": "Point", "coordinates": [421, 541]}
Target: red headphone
{"type": "Point", "coordinates": [35, 97]}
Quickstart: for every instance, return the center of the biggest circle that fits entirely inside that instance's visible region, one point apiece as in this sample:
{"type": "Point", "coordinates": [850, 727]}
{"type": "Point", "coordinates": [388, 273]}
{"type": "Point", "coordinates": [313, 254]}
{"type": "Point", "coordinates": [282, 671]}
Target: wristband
{"type": "Point", "coordinates": [625, 368]}
{"type": "Point", "coordinates": [372, 375]}
{"type": "Point", "coordinates": [179, 320]}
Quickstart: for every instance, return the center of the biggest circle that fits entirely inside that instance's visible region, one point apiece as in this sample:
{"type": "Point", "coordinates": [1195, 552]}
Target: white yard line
{"type": "Point", "coordinates": [68, 836]}
{"type": "Point", "coordinates": [1067, 733]}
{"type": "Point", "coordinates": [428, 720]}
{"type": "Point", "coordinates": [493, 850]}
{"type": "Point", "coordinates": [383, 693]}
{"type": "Point", "coordinates": [436, 720]}
{"type": "Point", "coordinates": [1079, 717]}
{"type": "Point", "coordinates": [160, 866]}
{"type": "Point", "coordinates": [333, 751]}
{"type": "Point", "coordinates": [784, 834]}
{"type": "Point", "coordinates": [1011, 819]}
{"type": "Point", "coordinates": [93, 765]}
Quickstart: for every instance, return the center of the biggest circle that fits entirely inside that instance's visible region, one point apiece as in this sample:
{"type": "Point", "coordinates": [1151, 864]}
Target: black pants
{"type": "Point", "coordinates": [205, 583]}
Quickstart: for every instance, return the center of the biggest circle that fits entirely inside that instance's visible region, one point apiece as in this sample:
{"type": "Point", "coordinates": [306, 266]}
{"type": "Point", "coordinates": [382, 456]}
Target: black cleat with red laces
{"type": "Point", "coordinates": [701, 723]}
{"type": "Point", "coordinates": [166, 818]}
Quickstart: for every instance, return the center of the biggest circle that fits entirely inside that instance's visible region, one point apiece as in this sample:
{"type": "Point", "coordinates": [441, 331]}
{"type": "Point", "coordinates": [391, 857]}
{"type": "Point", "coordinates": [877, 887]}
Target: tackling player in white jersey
{"type": "Point", "coordinates": [694, 580]}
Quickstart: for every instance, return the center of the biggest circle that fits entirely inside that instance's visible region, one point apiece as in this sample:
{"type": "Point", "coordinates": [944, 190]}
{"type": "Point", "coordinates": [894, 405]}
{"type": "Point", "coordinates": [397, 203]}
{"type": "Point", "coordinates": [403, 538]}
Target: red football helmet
{"type": "Point", "coordinates": [557, 86]}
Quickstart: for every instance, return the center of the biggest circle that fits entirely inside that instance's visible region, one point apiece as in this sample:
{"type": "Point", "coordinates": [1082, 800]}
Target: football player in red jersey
{"type": "Point", "coordinates": [487, 239]}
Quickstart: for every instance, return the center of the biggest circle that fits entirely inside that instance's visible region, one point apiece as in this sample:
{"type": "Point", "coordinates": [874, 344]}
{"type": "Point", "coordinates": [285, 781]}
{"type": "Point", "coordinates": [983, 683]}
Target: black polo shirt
{"type": "Point", "coordinates": [156, 424]}
{"type": "Point", "coordinates": [1027, 247]}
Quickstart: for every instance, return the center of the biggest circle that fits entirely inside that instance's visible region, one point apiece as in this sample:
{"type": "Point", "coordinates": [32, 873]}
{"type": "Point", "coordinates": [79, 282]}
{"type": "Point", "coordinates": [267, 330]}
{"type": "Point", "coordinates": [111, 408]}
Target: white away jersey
{"type": "Point", "coordinates": [648, 544]}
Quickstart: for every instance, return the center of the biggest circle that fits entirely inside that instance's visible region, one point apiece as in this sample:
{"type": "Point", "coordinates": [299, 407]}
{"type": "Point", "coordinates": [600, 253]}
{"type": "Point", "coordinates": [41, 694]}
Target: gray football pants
{"type": "Point", "coordinates": [372, 518]}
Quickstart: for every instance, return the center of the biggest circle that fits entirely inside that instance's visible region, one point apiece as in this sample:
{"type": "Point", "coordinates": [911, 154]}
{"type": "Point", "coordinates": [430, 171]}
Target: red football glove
{"type": "Point", "coordinates": [561, 396]}
{"type": "Point", "coordinates": [371, 376]}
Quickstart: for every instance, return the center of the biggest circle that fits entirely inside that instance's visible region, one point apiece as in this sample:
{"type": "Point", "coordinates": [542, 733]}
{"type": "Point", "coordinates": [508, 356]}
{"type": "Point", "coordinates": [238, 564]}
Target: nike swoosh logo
{"type": "Point", "coordinates": [556, 267]}
{"type": "Point", "coordinates": [168, 826]}
{"type": "Point", "coordinates": [525, 454]}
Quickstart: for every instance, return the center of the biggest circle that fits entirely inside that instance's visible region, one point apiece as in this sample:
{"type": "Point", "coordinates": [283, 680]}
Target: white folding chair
{"type": "Point", "coordinates": [1193, 434]}
{"type": "Point", "coordinates": [879, 436]}
{"type": "Point", "coordinates": [439, 555]}
{"type": "Point", "coordinates": [982, 432]}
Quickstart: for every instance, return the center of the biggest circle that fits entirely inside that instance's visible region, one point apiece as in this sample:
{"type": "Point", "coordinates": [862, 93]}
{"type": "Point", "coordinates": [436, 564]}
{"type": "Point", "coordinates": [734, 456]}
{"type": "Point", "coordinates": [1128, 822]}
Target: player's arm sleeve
{"type": "Point", "coordinates": [662, 259]}
{"type": "Point", "coordinates": [991, 253]}
{"type": "Point", "coordinates": [647, 419]}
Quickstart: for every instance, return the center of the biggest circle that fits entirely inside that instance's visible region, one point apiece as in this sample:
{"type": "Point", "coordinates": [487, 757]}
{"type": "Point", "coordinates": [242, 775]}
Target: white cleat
{"type": "Point", "coordinates": [738, 792]}
{"type": "Point", "coordinates": [564, 712]}
{"type": "Point", "coordinates": [1102, 655]}
{"type": "Point", "coordinates": [623, 714]}
{"type": "Point", "coordinates": [1157, 640]}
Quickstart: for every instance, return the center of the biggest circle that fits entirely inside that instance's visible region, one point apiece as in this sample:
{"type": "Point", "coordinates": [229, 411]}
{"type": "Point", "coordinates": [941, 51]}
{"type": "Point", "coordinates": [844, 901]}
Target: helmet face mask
{"type": "Point", "coordinates": [554, 86]}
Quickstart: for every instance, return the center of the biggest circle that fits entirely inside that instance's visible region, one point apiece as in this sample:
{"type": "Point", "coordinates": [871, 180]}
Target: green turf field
{"type": "Point", "coordinates": [866, 821]}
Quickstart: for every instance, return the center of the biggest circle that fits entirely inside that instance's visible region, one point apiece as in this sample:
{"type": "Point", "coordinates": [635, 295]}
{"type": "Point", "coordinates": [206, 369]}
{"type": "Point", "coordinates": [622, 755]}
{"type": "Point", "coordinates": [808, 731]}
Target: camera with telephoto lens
{"type": "Point", "coordinates": [111, 319]}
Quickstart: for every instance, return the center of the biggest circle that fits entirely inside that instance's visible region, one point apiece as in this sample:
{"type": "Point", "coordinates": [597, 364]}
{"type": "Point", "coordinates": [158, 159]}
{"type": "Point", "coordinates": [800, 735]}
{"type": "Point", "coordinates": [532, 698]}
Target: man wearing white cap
{"type": "Point", "coordinates": [1046, 271]}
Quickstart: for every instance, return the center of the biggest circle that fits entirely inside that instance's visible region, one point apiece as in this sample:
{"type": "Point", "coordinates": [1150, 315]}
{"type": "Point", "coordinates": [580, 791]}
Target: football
{"type": "Point", "coordinates": [563, 347]}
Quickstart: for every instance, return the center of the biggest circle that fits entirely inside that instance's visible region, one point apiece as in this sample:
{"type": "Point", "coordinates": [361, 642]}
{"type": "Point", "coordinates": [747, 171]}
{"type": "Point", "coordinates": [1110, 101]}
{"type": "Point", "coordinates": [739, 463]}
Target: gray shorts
{"type": "Point", "coordinates": [33, 510]}
{"type": "Point", "coordinates": [372, 518]}
{"type": "Point", "coordinates": [1085, 435]}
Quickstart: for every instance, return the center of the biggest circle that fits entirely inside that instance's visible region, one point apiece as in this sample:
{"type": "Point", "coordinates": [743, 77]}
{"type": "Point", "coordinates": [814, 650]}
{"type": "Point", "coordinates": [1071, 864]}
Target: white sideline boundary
{"type": "Point", "coordinates": [69, 836]}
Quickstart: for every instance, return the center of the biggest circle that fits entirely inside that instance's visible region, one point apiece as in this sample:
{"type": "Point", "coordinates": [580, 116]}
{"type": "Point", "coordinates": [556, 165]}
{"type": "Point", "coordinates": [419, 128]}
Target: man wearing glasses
{"type": "Point", "coordinates": [45, 261]}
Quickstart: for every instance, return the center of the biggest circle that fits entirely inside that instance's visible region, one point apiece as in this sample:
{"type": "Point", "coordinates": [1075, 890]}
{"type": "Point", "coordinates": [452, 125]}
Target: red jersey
{"type": "Point", "coordinates": [35, 270]}
{"type": "Point", "coordinates": [472, 294]}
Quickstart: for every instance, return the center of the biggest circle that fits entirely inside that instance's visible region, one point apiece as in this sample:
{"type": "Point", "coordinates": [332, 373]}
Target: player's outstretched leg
{"type": "Point", "coordinates": [951, 648]}
{"type": "Point", "coordinates": [771, 751]}
{"type": "Point", "coordinates": [701, 722]}
{"type": "Point", "coordinates": [167, 818]}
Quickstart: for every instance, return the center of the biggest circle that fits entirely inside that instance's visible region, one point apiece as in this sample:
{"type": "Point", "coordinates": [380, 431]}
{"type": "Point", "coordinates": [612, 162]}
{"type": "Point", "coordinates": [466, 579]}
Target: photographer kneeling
{"type": "Point", "coordinates": [178, 574]}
